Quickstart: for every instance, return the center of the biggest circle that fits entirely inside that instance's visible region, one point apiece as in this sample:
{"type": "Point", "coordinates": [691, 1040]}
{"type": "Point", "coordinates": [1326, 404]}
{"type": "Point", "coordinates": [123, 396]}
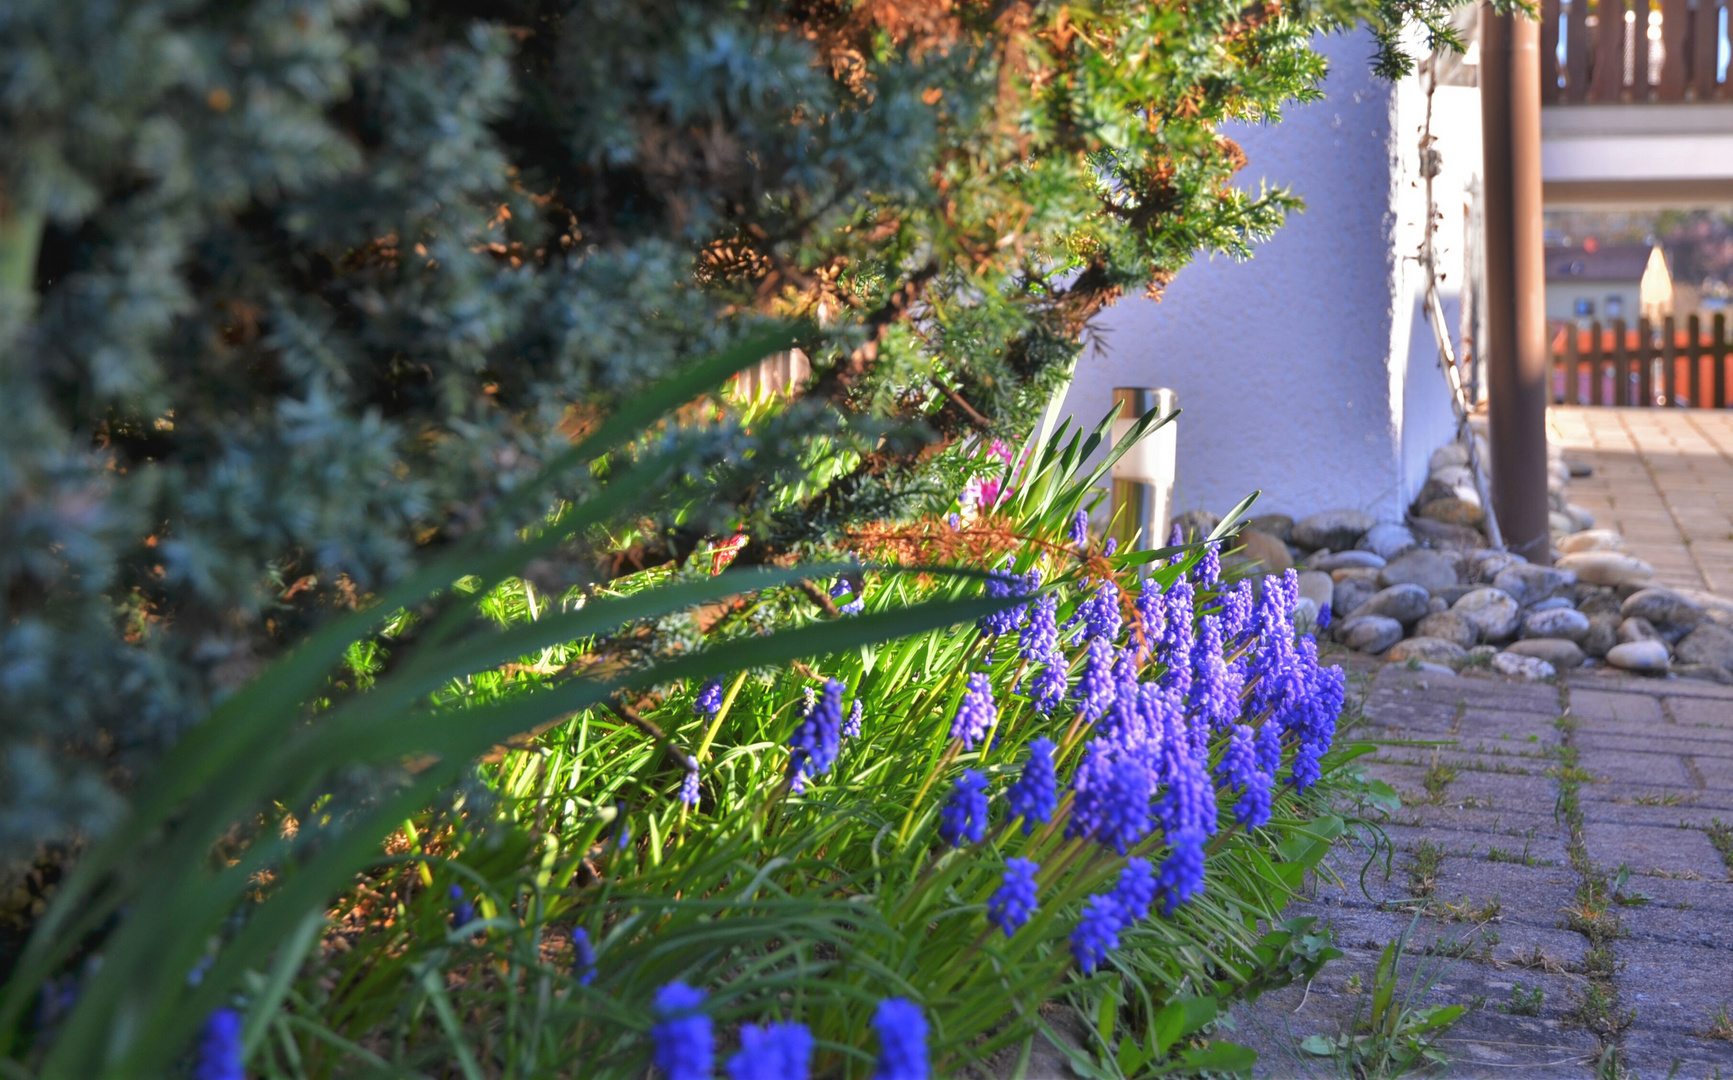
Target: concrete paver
{"type": "Point", "coordinates": [1573, 852]}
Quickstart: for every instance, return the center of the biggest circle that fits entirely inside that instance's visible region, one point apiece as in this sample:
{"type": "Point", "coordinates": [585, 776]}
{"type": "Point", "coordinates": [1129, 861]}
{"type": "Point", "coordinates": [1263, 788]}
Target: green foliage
{"type": "Point", "coordinates": [812, 905]}
{"type": "Point", "coordinates": [1391, 1033]}
{"type": "Point", "coordinates": [293, 295]}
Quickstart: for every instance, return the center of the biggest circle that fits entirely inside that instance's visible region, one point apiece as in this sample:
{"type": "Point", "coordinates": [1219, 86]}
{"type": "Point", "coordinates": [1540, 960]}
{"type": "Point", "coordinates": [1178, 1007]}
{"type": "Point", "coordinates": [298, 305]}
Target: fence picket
{"type": "Point", "coordinates": [1645, 363]}
{"type": "Point", "coordinates": [1623, 392]}
{"type": "Point", "coordinates": [1718, 353]}
{"type": "Point", "coordinates": [1674, 16]}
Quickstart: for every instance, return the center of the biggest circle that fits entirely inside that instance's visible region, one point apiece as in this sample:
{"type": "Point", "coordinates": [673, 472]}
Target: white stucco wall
{"type": "Point", "coordinates": [1308, 372]}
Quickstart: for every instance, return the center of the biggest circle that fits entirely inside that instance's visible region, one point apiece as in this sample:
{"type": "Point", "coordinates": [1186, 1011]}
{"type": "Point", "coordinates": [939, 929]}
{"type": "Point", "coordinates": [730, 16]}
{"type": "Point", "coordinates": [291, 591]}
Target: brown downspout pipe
{"type": "Point", "coordinates": [1516, 360]}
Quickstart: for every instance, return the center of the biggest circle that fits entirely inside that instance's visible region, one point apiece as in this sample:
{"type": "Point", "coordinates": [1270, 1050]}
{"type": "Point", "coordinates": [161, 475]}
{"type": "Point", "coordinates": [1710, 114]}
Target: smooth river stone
{"type": "Point", "coordinates": [1648, 657]}
{"type": "Point", "coordinates": [1662, 606]}
{"type": "Point", "coordinates": [1559, 652]}
{"type": "Point", "coordinates": [1591, 540]}
{"type": "Point", "coordinates": [1266, 550]}
{"type": "Point", "coordinates": [1426, 650]}
{"type": "Point", "coordinates": [1567, 623]}
{"type": "Point", "coordinates": [1606, 567]}
{"type": "Point", "coordinates": [1371, 633]}
{"type": "Point", "coordinates": [1527, 583]}
{"type": "Point", "coordinates": [1708, 644]}
{"type": "Point", "coordinates": [1522, 667]}
{"type": "Point", "coordinates": [1317, 587]}
{"type": "Point", "coordinates": [1491, 611]}
{"type": "Point", "coordinates": [1350, 594]}
{"type": "Point", "coordinates": [1407, 604]}
{"type": "Point", "coordinates": [1487, 563]}
{"type": "Point", "coordinates": [1344, 560]}
{"type": "Point", "coordinates": [1448, 626]}
{"type": "Point", "coordinates": [1427, 569]}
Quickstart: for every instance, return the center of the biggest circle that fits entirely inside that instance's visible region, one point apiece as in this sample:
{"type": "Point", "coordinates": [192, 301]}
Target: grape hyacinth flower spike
{"type": "Point", "coordinates": [818, 739]}
{"type": "Point", "coordinates": [1181, 877]}
{"type": "Point", "coordinates": [1136, 890]}
{"type": "Point", "coordinates": [902, 1032]}
{"type": "Point", "coordinates": [220, 1049]}
{"type": "Point", "coordinates": [772, 1052]}
{"type": "Point", "coordinates": [1097, 932]}
{"type": "Point", "coordinates": [583, 957]}
{"type": "Point", "coordinates": [851, 726]}
{"type": "Point", "coordinates": [1034, 795]}
{"type": "Point", "coordinates": [976, 712]}
{"type": "Point", "coordinates": [842, 588]}
{"type": "Point", "coordinates": [708, 702]}
{"type": "Point", "coordinates": [462, 911]}
{"type": "Point", "coordinates": [1079, 533]}
{"type": "Point", "coordinates": [1208, 571]}
{"type": "Point", "coordinates": [684, 1045]}
{"type": "Point", "coordinates": [964, 815]}
{"type": "Point", "coordinates": [1014, 902]}
{"type": "Point", "coordinates": [1240, 772]}
{"type": "Point", "coordinates": [689, 783]}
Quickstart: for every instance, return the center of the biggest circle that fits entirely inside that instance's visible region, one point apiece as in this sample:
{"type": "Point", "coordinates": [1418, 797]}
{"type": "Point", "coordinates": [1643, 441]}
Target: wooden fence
{"type": "Point", "coordinates": [1611, 56]}
{"type": "Point", "coordinates": [1644, 366]}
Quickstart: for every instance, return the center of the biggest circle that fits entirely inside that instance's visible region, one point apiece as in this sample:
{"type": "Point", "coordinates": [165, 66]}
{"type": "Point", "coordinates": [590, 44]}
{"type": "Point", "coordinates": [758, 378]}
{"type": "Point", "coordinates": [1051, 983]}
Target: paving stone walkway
{"type": "Point", "coordinates": [1663, 478]}
{"type": "Point", "coordinates": [1560, 866]}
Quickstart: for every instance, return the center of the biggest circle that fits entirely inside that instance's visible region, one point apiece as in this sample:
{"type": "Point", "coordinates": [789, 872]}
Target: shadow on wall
{"type": "Point", "coordinates": [1303, 372]}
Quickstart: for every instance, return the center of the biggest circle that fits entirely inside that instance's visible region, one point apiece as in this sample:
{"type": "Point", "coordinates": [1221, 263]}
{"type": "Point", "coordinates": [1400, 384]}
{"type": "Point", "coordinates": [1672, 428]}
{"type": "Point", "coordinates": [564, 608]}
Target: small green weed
{"type": "Point", "coordinates": [1437, 778]}
{"type": "Point", "coordinates": [1721, 835]}
{"type": "Point", "coordinates": [1661, 798]}
{"type": "Point", "coordinates": [1597, 1010]}
{"type": "Point", "coordinates": [1423, 873]}
{"type": "Point", "coordinates": [1390, 1034]}
{"type": "Point", "coordinates": [1720, 1025]}
{"type": "Point", "coordinates": [1523, 1001]}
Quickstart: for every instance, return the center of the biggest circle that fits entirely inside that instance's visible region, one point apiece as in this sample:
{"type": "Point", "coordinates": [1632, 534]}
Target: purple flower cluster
{"type": "Point", "coordinates": [709, 699]}
{"type": "Point", "coordinates": [772, 1052]}
{"type": "Point", "coordinates": [1207, 574]}
{"type": "Point", "coordinates": [964, 815]}
{"type": "Point", "coordinates": [1136, 890]}
{"type": "Point", "coordinates": [462, 911]}
{"type": "Point", "coordinates": [684, 1044]}
{"type": "Point", "coordinates": [689, 783]}
{"type": "Point", "coordinates": [844, 587]}
{"type": "Point", "coordinates": [818, 739]}
{"type": "Point", "coordinates": [1099, 612]}
{"type": "Point", "coordinates": [1096, 933]}
{"type": "Point", "coordinates": [1039, 638]}
{"type": "Point", "coordinates": [1176, 641]}
{"type": "Point", "coordinates": [1240, 772]}
{"type": "Point", "coordinates": [851, 726]}
{"type": "Point", "coordinates": [902, 1032]}
{"type": "Point", "coordinates": [1152, 615]}
{"type": "Point", "coordinates": [1096, 690]}
{"type": "Point", "coordinates": [1079, 532]}
{"type": "Point", "coordinates": [1112, 789]}
{"type": "Point", "coordinates": [1181, 876]}
{"type": "Point", "coordinates": [220, 1050]}
{"type": "Point", "coordinates": [1013, 902]}
{"type": "Point", "coordinates": [1237, 612]}
{"type": "Point", "coordinates": [1001, 584]}
{"type": "Point", "coordinates": [583, 957]}
{"type": "Point", "coordinates": [976, 712]}
{"type": "Point", "coordinates": [1034, 795]}
{"type": "Point", "coordinates": [1216, 684]}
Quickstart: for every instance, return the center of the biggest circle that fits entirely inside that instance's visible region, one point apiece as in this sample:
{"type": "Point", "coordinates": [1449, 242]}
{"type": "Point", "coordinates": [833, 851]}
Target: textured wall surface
{"type": "Point", "coordinates": [1308, 372]}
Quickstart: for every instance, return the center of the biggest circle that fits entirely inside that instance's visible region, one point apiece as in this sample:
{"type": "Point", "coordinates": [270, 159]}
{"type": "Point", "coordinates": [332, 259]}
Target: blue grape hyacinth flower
{"type": "Point", "coordinates": [1240, 772]}
{"type": "Point", "coordinates": [1097, 932]}
{"type": "Point", "coordinates": [976, 712]}
{"type": "Point", "coordinates": [851, 726]}
{"type": "Point", "coordinates": [1135, 891]}
{"type": "Point", "coordinates": [220, 1050]}
{"type": "Point", "coordinates": [902, 1032]}
{"type": "Point", "coordinates": [818, 739]}
{"type": "Point", "coordinates": [842, 588]}
{"type": "Point", "coordinates": [583, 957]}
{"type": "Point", "coordinates": [683, 1042]}
{"type": "Point", "coordinates": [1181, 877]}
{"type": "Point", "coordinates": [462, 911]}
{"type": "Point", "coordinates": [1079, 532]}
{"type": "Point", "coordinates": [1014, 901]}
{"type": "Point", "coordinates": [708, 701]}
{"type": "Point", "coordinates": [964, 815]}
{"type": "Point", "coordinates": [1034, 795]}
{"type": "Point", "coordinates": [772, 1052]}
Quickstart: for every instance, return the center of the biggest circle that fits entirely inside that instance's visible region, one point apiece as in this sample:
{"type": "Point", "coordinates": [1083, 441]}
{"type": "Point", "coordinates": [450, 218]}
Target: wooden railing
{"type": "Point", "coordinates": [1609, 56]}
{"type": "Point", "coordinates": [1642, 366]}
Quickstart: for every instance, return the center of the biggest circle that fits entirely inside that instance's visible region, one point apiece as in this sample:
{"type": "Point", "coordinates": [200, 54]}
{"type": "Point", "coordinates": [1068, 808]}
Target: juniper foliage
{"type": "Point", "coordinates": [294, 292]}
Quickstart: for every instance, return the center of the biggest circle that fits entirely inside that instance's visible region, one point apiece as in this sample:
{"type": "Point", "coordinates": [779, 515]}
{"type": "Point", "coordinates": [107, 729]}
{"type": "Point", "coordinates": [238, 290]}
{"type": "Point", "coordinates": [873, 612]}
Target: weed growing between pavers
{"type": "Point", "coordinates": [1390, 1033]}
{"type": "Point", "coordinates": [1523, 1001]}
{"type": "Point", "coordinates": [1597, 1007]}
{"type": "Point", "coordinates": [1720, 1025]}
{"type": "Point", "coordinates": [1721, 835]}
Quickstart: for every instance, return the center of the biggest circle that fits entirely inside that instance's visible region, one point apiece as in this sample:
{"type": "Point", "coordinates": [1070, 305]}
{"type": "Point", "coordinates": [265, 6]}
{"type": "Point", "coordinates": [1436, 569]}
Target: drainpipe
{"type": "Point", "coordinates": [1515, 279]}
